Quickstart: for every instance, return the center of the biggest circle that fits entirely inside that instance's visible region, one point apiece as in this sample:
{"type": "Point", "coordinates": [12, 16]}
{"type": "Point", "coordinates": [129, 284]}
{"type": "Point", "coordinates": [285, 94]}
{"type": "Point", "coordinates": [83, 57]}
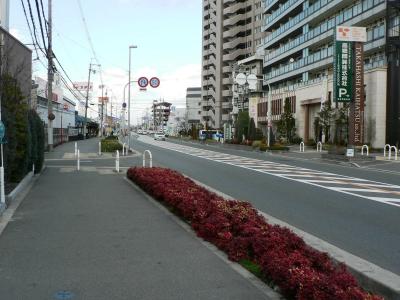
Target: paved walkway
{"type": "Point", "coordinates": [91, 235]}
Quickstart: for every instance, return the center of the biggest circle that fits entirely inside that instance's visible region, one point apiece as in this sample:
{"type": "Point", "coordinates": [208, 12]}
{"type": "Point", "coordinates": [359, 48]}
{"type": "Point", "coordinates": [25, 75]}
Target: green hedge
{"type": "Point", "coordinates": [264, 147]}
{"type": "Point", "coordinates": [110, 145]}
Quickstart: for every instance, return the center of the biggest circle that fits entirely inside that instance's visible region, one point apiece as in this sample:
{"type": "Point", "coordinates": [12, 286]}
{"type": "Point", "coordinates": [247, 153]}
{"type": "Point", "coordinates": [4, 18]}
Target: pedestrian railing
{"type": "Point", "coordinates": [117, 162]}
{"type": "Point", "coordinates": [319, 147]}
{"type": "Point", "coordinates": [150, 159]}
{"type": "Point", "coordinates": [362, 150]}
{"type": "Point", "coordinates": [301, 147]}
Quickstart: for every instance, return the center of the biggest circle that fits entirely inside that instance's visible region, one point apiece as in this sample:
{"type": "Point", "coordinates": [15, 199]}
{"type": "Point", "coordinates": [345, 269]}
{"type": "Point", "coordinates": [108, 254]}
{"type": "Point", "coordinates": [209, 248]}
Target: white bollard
{"type": "Point", "coordinates": [362, 150]}
{"type": "Point", "coordinates": [395, 152]}
{"type": "Point", "coordinates": [117, 162]}
{"type": "Point", "coordinates": [150, 158]}
{"type": "Point", "coordinates": [302, 147]}
{"type": "Point", "coordinates": [33, 169]}
{"type": "Point", "coordinates": [99, 148]}
{"type": "Point", "coordinates": [78, 162]}
{"type": "Point", "coordinates": [2, 187]}
{"type": "Point", "coordinates": [387, 146]}
{"type": "Point", "coordinates": [319, 147]}
{"type": "Point", "coordinates": [76, 149]}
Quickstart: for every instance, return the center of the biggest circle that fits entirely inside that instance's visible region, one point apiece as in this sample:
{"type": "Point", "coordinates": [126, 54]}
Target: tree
{"type": "Point", "coordinates": [251, 130]}
{"type": "Point", "coordinates": [242, 124]}
{"type": "Point", "coordinates": [341, 122]}
{"type": "Point", "coordinates": [325, 118]}
{"type": "Point", "coordinates": [287, 123]}
{"type": "Point", "coordinates": [15, 118]}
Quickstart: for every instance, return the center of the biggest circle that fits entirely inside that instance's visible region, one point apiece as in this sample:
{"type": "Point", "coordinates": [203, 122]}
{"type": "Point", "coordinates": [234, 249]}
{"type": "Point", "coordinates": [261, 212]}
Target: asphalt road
{"type": "Point", "coordinates": [368, 229]}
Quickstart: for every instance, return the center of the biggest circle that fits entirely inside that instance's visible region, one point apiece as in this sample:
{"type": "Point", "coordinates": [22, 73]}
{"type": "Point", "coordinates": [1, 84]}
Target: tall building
{"type": "Point", "coordinates": [231, 32]}
{"type": "Point", "coordinates": [299, 54]}
{"type": "Point", "coordinates": [193, 106]}
{"type": "Point", "coordinates": [4, 14]}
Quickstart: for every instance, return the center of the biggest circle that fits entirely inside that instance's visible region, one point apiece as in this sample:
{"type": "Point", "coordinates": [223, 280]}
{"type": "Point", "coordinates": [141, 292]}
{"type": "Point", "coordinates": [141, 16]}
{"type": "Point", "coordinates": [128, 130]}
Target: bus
{"type": "Point", "coordinates": [210, 135]}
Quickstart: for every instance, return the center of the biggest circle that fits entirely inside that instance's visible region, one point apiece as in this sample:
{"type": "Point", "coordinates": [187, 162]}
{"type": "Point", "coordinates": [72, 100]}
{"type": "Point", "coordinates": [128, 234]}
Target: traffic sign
{"type": "Point", "coordinates": [154, 82]}
{"type": "Point", "coordinates": [143, 82]}
{"type": "Point", "coordinates": [2, 130]}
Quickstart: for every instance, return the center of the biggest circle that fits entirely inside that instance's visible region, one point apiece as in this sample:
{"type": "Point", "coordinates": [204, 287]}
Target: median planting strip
{"type": "Point", "coordinates": [280, 256]}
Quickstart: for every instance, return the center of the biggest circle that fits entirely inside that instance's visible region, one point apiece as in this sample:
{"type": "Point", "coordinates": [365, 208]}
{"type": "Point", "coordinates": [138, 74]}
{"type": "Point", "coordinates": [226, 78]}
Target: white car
{"type": "Point", "coordinates": [159, 136]}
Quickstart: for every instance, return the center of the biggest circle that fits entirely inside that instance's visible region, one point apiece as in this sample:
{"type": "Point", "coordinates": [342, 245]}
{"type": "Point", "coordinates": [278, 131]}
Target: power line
{"type": "Point", "coordinates": [40, 23]}
{"type": "Point", "coordinates": [30, 29]}
{"type": "Point", "coordinates": [89, 38]}
{"type": "Point", "coordinates": [44, 17]}
{"type": "Point", "coordinates": [34, 28]}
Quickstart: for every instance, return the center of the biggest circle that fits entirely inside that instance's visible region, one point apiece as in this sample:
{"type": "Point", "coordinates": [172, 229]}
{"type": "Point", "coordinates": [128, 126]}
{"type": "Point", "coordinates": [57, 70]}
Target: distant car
{"type": "Point", "coordinates": [159, 136]}
{"type": "Point", "coordinates": [145, 132]}
{"type": "Point", "coordinates": [140, 131]}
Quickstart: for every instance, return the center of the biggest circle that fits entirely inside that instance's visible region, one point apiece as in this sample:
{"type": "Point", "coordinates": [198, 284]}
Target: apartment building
{"type": "Point", "coordinates": [193, 106]}
{"type": "Point", "coordinates": [231, 32]}
{"type": "Point", "coordinates": [299, 54]}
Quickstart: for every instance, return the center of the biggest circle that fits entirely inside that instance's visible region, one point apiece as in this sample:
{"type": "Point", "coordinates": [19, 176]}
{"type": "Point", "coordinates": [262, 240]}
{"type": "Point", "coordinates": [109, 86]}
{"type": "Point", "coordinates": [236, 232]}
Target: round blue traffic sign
{"type": "Point", "coordinates": [143, 82]}
{"type": "Point", "coordinates": [154, 82]}
{"type": "Point", "coordinates": [2, 130]}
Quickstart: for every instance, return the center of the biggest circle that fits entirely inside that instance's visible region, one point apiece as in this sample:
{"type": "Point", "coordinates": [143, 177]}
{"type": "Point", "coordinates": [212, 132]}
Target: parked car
{"type": "Point", "coordinates": [159, 136]}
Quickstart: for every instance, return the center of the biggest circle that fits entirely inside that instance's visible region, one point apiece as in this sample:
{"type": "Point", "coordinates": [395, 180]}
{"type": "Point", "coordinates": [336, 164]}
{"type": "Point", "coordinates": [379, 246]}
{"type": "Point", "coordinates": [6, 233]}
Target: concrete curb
{"type": "Point", "coordinates": [20, 187]}
{"type": "Point", "coordinates": [19, 194]}
{"type": "Point", "coordinates": [370, 276]}
{"type": "Point", "coordinates": [255, 281]}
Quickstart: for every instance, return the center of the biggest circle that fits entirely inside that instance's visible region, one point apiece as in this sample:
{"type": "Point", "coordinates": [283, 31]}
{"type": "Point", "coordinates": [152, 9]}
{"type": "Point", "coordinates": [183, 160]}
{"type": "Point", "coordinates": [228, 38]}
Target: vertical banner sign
{"type": "Point", "coordinates": [357, 106]}
{"type": "Point", "coordinates": [354, 37]}
{"type": "Point", "coordinates": [343, 84]}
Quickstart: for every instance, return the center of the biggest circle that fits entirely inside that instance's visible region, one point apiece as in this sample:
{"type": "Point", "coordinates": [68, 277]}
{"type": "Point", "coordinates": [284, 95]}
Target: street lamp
{"type": "Point", "coordinates": [129, 97]}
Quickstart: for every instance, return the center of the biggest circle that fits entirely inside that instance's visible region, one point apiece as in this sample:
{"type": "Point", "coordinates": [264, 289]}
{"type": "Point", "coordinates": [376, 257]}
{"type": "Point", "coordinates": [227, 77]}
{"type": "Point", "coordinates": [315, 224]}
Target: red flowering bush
{"type": "Point", "coordinates": [236, 228]}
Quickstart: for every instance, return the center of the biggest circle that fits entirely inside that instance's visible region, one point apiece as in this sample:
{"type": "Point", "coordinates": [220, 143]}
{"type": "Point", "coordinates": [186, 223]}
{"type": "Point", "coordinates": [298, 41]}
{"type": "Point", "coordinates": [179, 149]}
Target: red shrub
{"type": "Point", "coordinates": [236, 228]}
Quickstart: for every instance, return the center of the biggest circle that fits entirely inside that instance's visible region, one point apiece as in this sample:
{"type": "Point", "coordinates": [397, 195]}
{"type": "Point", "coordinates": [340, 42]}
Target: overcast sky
{"type": "Point", "coordinates": [167, 33]}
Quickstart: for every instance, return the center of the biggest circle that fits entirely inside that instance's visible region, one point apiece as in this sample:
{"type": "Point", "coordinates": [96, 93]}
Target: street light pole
{"type": "Point", "coordinates": [269, 115]}
{"type": "Point", "coordinates": [87, 99]}
{"type": "Point", "coordinates": [50, 75]}
{"type": "Point", "coordinates": [129, 97]}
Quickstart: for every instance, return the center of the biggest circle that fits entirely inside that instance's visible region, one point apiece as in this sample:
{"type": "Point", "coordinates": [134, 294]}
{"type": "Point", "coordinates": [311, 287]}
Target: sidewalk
{"type": "Point", "coordinates": [93, 236]}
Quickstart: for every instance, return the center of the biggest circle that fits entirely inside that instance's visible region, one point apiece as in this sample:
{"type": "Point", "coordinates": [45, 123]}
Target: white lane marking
{"type": "Point", "coordinates": [285, 171]}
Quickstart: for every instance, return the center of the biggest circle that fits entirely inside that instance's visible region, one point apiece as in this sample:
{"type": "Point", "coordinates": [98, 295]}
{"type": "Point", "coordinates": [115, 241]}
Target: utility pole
{"type": "Point", "coordinates": [101, 114]}
{"type": "Point", "coordinates": [87, 100]}
{"type": "Point", "coordinates": [50, 75]}
{"type": "Point", "coordinates": [2, 185]}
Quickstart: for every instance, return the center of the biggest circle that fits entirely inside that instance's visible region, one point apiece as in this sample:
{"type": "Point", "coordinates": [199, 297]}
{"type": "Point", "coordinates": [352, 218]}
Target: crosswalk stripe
{"type": "Point", "coordinates": [344, 184]}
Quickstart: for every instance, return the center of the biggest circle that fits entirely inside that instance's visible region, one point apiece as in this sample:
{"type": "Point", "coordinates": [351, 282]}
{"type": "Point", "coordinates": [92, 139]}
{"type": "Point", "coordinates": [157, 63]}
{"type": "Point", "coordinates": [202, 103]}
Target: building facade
{"type": "Point", "coordinates": [193, 106]}
{"type": "Point", "coordinates": [299, 54]}
{"type": "Point", "coordinates": [16, 61]}
{"type": "Point", "coordinates": [231, 32]}
{"type": "Point", "coordinates": [4, 14]}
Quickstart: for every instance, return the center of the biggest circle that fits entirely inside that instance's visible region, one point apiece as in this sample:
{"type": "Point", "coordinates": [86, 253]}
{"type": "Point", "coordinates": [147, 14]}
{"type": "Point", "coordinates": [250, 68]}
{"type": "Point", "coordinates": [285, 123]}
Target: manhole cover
{"type": "Point", "coordinates": [63, 295]}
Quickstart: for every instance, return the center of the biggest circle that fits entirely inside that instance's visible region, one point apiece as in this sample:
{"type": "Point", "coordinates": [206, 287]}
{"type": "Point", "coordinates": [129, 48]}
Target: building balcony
{"type": "Point", "coordinates": [234, 31]}
{"type": "Point", "coordinates": [234, 8]}
{"type": "Point", "coordinates": [234, 55]}
{"type": "Point", "coordinates": [234, 43]}
{"type": "Point", "coordinates": [227, 93]}
{"type": "Point", "coordinates": [227, 105]}
{"type": "Point", "coordinates": [231, 21]}
{"type": "Point", "coordinates": [320, 9]}
{"type": "Point", "coordinates": [324, 31]}
{"type": "Point", "coordinates": [227, 81]}
{"type": "Point", "coordinates": [282, 11]}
